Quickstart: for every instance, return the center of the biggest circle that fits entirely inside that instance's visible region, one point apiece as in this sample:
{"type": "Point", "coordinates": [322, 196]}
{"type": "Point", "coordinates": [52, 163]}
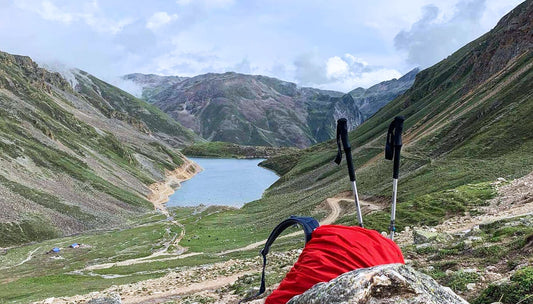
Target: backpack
{"type": "Point", "coordinates": [330, 251]}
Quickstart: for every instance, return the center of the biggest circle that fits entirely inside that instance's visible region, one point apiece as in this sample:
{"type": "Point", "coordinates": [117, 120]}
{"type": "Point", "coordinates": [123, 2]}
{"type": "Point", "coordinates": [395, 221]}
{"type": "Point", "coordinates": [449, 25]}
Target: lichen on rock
{"type": "Point", "coordinates": [384, 284]}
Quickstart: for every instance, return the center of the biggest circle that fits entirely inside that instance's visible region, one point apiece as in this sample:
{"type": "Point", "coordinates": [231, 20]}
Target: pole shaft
{"type": "Point", "coordinates": [357, 205]}
{"type": "Point", "coordinates": [392, 227]}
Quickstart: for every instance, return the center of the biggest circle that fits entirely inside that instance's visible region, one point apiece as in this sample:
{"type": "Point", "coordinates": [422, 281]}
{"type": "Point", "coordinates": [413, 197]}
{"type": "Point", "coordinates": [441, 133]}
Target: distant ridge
{"type": "Point", "coordinates": [260, 110]}
{"type": "Point", "coordinates": [370, 100]}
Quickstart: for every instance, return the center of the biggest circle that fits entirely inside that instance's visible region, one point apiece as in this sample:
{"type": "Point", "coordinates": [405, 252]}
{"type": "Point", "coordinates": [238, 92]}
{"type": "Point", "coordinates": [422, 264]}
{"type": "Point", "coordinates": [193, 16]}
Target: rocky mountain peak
{"type": "Point", "coordinates": [31, 70]}
{"type": "Point", "coordinates": [370, 100]}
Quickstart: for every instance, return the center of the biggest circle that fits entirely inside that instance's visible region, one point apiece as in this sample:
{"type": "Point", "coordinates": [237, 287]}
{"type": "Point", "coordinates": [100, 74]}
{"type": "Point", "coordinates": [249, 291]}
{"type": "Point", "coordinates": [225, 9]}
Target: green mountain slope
{"type": "Point", "coordinates": [75, 159]}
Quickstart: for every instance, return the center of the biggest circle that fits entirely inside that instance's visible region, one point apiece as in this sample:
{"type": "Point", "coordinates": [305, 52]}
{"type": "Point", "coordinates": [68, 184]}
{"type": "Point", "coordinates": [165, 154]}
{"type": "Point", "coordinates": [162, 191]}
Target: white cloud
{"type": "Point", "coordinates": [159, 19]}
{"type": "Point", "coordinates": [336, 68]}
{"type": "Point", "coordinates": [333, 46]}
{"type": "Point", "coordinates": [435, 36]}
{"type": "Point", "coordinates": [183, 2]}
{"type": "Point", "coordinates": [207, 3]}
{"type": "Point", "coordinates": [88, 13]}
{"type": "Point", "coordinates": [340, 73]}
{"type": "Point", "coordinates": [51, 12]}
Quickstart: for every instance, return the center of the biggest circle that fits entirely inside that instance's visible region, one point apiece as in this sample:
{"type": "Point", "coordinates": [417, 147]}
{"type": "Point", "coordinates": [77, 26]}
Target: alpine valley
{"type": "Point", "coordinates": [81, 161]}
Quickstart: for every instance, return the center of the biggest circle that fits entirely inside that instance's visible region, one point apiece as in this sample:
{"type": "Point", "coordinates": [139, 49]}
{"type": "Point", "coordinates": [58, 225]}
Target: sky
{"type": "Point", "coordinates": [334, 44]}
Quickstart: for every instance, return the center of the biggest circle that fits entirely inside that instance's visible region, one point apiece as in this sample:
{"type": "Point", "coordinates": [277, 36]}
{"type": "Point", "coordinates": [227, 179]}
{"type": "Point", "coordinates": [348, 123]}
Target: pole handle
{"type": "Point", "coordinates": [342, 137]}
{"type": "Point", "coordinates": [393, 145]}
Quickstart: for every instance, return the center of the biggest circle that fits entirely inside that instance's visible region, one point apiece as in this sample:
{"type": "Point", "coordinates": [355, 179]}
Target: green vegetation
{"type": "Point", "coordinates": [230, 150]}
{"type": "Point", "coordinates": [459, 279]}
{"type": "Point", "coordinates": [31, 228]}
{"type": "Point", "coordinates": [518, 290]}
{"type": "Point", "coordinates": [126, 107]}
{"type": "Point", "coordinates": [465, 127]}
{"type": "Point", "coordinates": [53, 138]}
{"type": "Point", "coordinates": [431, 209]}
{"type": "Point", "coordinates": [281, 164]}
{"type": "Point", "coordinates": [486, 248]}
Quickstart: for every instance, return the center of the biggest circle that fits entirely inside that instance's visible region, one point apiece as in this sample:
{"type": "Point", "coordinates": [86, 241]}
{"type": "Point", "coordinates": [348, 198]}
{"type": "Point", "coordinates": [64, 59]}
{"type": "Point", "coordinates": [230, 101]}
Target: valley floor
{"type": "Point", "coordinates": [171, 274]}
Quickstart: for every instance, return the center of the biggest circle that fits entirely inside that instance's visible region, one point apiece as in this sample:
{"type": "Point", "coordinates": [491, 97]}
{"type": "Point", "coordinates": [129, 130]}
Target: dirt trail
{"type": "Point", "coordinates": [335, 212]}
{"type": "Point", "coordinates": [336, 209]}
{"type": "Point", "coordinates": [514, 198]}
{"type": "Point", "coordinates": [179, 254]}
{"type": "Point", "coordinates": [159, 196]}
{"type": "Point", "coordinates": [24, 261]}
{"type": "Point", "coordinates": [168, 295]}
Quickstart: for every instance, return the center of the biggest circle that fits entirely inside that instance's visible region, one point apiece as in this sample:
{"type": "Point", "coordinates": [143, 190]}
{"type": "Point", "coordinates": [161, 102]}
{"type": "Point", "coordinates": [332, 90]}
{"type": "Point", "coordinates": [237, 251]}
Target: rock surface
{"type": "Point", "coordinates": [393, 283]}
{"type": "Point", "coordinates": [370, 100]}
{"type": "Point", "coordinates": [424, 236]}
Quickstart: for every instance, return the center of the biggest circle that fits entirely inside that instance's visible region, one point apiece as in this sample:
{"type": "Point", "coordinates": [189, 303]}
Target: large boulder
{"type": "Point", "coordinates": [425, 236]}
{"type": "Point", "coordinates": [384, 284]}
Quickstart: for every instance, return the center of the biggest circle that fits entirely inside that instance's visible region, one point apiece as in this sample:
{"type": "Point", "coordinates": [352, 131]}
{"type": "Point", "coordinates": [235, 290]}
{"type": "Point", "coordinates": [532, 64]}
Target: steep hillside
{"type": "Point", "coordinates": [75, 159]}
{"type": "Point", "coordinates": [468, 132]}
{"type": "Point", "coordinates": [370, 100]}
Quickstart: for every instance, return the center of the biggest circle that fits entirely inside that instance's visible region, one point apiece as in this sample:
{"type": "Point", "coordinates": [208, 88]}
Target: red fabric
{"type": "Point", "coordinates": [332, 251]}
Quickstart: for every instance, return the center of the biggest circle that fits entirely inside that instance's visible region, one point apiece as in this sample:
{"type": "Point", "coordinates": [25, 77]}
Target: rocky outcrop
{"type": "Point", "coordinates": [429, 236]}
{"type": "Point", "coordinates": [393, 283]}
{"type": "Point", "coordinates": [370, 100]}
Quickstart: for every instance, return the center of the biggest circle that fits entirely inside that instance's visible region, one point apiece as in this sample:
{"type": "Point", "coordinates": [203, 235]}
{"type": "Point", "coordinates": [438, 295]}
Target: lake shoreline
{"type": "Point", "coordinates": [225, 182]}
{"type": "Point", "coordinates": [161, 191]}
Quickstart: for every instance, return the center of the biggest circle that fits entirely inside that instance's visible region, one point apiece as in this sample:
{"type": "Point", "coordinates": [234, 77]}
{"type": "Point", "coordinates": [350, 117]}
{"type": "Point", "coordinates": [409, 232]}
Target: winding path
{"type": "Point", "coordinates": [24, 261]}
{"type": "Point", "coordinates": [334, 206]}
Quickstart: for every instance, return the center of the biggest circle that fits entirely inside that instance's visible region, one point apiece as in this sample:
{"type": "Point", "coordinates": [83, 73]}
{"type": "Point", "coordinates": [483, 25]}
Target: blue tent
{"type": "Point", "coordinates": [55, 249]}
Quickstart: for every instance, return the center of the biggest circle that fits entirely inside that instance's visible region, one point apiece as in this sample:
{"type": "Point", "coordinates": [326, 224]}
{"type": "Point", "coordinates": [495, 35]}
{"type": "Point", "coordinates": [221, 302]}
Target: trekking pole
{"type": "Point", "coordinates": [342, 135]}
{"type": "Point", "coordinates": [392, 150]}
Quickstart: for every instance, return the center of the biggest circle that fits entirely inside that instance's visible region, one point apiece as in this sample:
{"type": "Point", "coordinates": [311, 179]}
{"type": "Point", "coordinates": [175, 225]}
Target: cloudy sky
{"type": "Point", "coordinates": [333, 44]}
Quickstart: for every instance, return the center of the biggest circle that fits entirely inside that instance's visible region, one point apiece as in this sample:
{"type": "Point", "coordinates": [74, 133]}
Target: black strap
{"type": "Point", "coordinates": [338, 159]}
{"type": "Point", "coordinates": [393, 146]}
{"type": "Point", "coordinates": [389, 145]}
{"type": "Point", "coordinates": [342, 137]}
{"type": "Point", "coordinates": [309, 224]}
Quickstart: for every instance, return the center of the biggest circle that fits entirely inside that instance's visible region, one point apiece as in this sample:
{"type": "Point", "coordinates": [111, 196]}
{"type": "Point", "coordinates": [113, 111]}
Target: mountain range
{"type": "Point", "coordinates": [260, 110]}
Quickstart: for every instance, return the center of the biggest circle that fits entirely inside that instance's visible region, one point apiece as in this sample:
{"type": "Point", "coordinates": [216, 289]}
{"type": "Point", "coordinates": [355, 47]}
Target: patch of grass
{"type": "Point", "coordinates": [458, 280]}
{"type": "Point", "coordinates": [230, 150]}
{"type": "Point", "coordinates": [281, 164]}
{"type": "Point", "coordinates": [47, 200]}
{"type": "Point", "coordinates": [518, 290]}
{"type": "Point", "coordinates": [43, 276]}
{"type": "Point", "coordinates": [31, 228]}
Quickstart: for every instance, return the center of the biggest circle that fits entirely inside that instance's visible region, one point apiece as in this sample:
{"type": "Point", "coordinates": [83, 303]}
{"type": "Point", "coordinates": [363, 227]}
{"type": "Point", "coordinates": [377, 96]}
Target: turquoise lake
{"type": "Point", "coordinates": [229, 182]}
